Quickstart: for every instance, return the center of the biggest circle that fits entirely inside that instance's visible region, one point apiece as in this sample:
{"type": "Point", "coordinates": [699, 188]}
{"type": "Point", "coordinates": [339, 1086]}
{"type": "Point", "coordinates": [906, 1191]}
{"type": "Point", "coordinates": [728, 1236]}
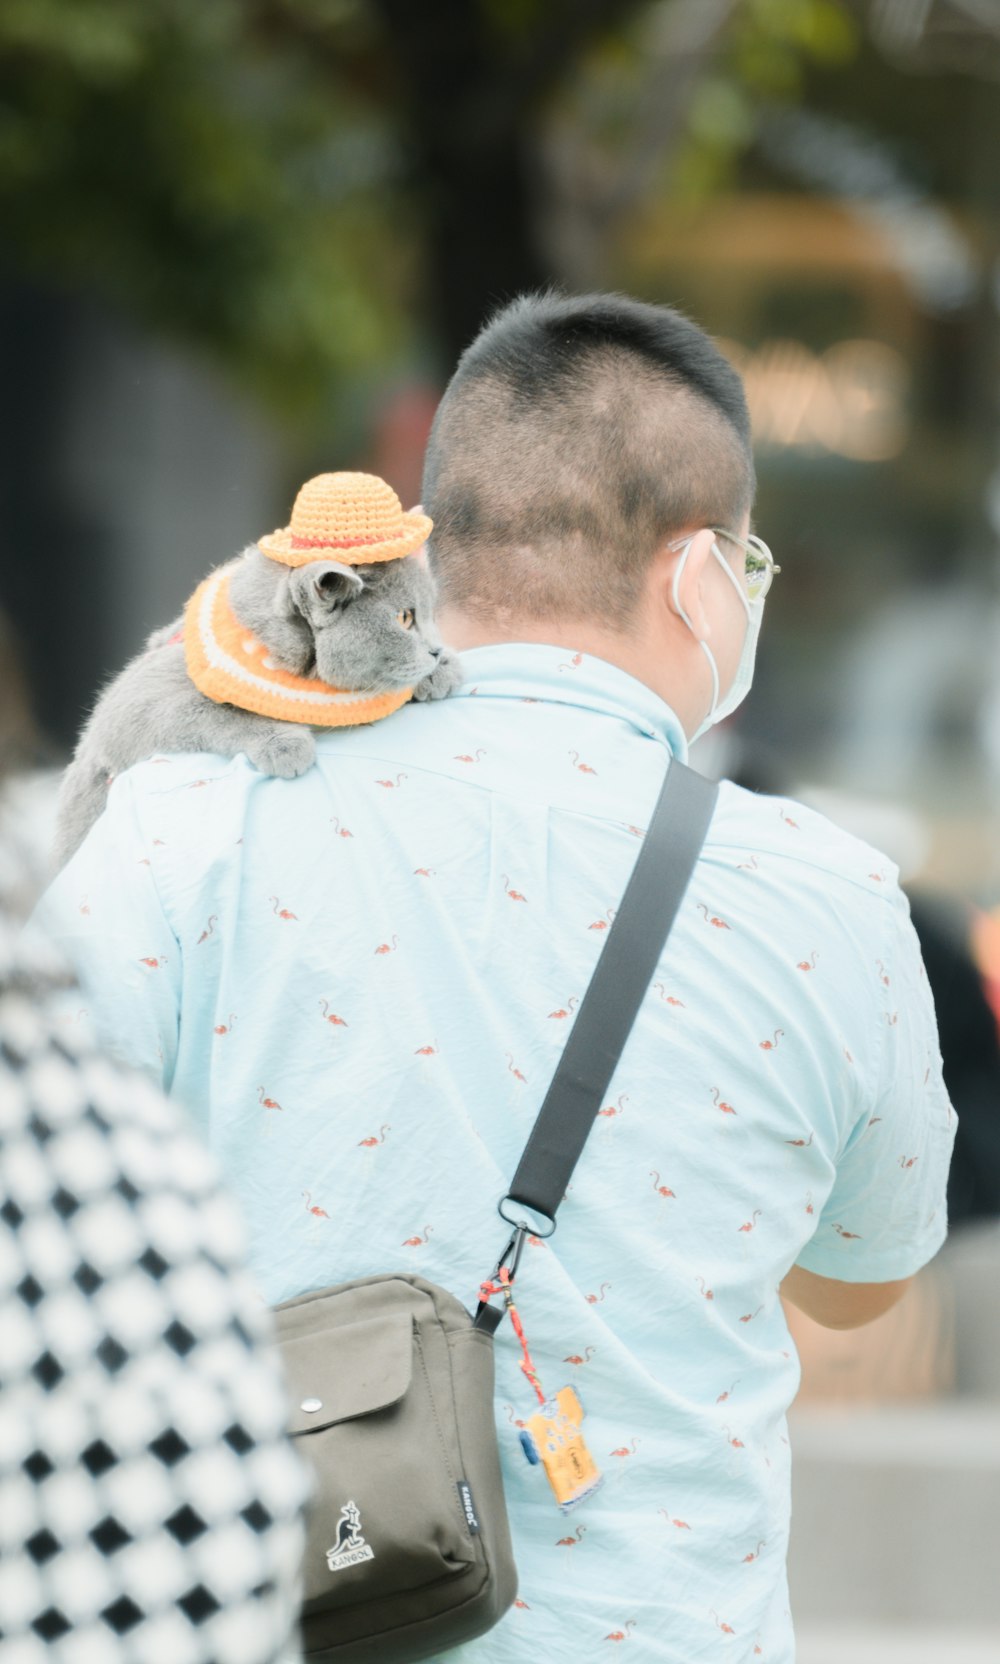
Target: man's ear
{"type": "Point", "coordinates": [686, 579]}
{"type": "Point", "coordinates": [319, 588]}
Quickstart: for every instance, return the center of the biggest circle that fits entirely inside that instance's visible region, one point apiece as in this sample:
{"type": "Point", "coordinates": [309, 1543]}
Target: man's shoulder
{"type": "Point", "coordinates": [186, 806]}
{"type": "Point", "coordinates": [800, 841]}
{"type": "Point", "coordinates": [167, 773]}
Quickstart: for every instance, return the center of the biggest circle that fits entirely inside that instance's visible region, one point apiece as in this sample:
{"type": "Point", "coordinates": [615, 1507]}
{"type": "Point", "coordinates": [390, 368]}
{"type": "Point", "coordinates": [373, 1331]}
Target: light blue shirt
{"type": "Point", "coordinates": [360, 982]}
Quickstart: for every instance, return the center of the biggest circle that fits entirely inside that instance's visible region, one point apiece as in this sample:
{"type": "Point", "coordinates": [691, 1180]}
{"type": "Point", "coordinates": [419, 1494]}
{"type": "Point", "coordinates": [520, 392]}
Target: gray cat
{"type": "Point", "coordinates": [355, 627]}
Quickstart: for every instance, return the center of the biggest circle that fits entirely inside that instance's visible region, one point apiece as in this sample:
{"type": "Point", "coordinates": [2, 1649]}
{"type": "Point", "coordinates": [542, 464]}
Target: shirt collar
{"type": "Point", "coordinates": [560, 676]}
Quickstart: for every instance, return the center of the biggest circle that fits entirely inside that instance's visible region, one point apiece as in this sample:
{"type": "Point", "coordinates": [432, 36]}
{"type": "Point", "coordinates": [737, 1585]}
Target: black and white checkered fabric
{"type": "Point", "coordinates": [150, 1505]}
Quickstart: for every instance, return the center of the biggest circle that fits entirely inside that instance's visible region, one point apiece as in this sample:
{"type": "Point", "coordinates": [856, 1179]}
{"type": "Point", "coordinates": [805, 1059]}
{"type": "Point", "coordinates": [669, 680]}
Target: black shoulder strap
{"type": "Point", "coordinates": [604, 1021]}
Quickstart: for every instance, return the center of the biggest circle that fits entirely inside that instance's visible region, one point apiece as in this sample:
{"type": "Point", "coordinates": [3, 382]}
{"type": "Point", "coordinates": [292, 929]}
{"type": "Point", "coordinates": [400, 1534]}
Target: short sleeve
{"type": "Point", "coordinates": [105, 913]}
{"type": "Point", "coordinates": [886, 1215]}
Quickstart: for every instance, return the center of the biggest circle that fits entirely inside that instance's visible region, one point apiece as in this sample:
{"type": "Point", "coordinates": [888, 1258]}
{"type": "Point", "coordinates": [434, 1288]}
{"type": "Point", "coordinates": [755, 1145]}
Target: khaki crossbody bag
{"type": "Point", "coordinates": [391, 1378]}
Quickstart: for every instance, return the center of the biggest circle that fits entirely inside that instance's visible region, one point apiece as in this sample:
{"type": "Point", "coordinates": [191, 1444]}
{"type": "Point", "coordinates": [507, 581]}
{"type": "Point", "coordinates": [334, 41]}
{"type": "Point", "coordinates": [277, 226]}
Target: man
{"type": "Point", "coordinates": [361, 982]}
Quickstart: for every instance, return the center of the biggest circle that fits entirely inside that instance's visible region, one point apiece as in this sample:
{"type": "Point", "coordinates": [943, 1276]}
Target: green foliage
{"type": "Point", "coordinates": [237, 172]}
{"type": "Point", "coordinates": [218, 177]}
{"type": "Point", "coordinates": [764, 58]}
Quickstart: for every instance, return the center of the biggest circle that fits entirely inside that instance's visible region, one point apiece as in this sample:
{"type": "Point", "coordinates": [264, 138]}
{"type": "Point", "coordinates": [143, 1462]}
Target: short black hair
{"type": "Point", "coordinates": [576, 433]}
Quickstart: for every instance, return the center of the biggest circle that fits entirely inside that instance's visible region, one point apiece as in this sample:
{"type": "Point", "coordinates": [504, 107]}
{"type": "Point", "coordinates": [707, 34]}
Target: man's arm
{"type": "Point", "coordinates": [839, 1305]}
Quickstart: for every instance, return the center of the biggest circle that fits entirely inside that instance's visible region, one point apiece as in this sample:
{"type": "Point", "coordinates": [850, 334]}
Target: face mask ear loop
{"type": "Point", "coordinates": [733, 579]}
{"type": "Point", "coordinates": [713, 667]}
{"type": "Point", "coordinates": [710, 656]}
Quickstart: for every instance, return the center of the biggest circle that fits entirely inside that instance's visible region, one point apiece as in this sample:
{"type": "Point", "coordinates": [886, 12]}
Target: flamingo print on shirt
{"type": "Point", "coordinates": [225, 1028]}
{"type": "Point", "coordinates": [573, 664]}
{"type": "Point", "coordinates": [571, 1542]}
{"type": "Point", "coordinates": [575, 1358]}
{"type": "Point", "coordinates": [583, 768]}
{"type": "Point", "coordinates": [511, 1069]}
{"type": "Point", "coordinates": [751, 1224]}
{"type": "Point", "coordinates": [391, 785]}
{"type": "Point", "coordinates": [317, 1212]}
{"type": "Point", "coordinates": [668, 999]}
{"type": "Point", "coordinates": [341, 831]}
{"type": "Point", "coordinates": [610, 914]}
{"type": "Point", "coordinates": [208, 930]}
{"type": "Point", "coordinates": [598, 1299]}
{"type": "Point", "coordinates": [621, 1634]}
{"type": "Point", "coordinates": [713, 918]}
{"type": "Point", "coordinates": [372, 1141]}
{"type": "Point", "coordinates": [463, 757]}
{"type": "Point", "coordinates": [387, 947]}
{"type": "Point", "coordinates": [771, 1045]}
{"type": "Point", "coordinates": [280, 912]}
{"type": "Point", "coordinates": [515, 895]}
{"type": "Point", "coordinates": [720, 1102]}
{"type": "Point", "coordinates": [682, 1525]}
{"type": "Point", "coordinates": [331, 1016]}
{"type": "Point", "coordinates": [563, 1011]}
{"type": "Point", "coordinates": [418, 1241]}
{"type": "Point", "coordinates": [268, 1103]}
{"type": "Point", "coordinates": [808, 964]}
{"type": "Point", "coordinates": [154, 964]}
{"type": "Point", "coordinates": [661, 1189]}
{"type": "Point", "coordinates": [624, 1451]}
{"type": "Point", "coordinates": [611, 1112]}
{"type": "Point", "coordinates": [426, 1051]}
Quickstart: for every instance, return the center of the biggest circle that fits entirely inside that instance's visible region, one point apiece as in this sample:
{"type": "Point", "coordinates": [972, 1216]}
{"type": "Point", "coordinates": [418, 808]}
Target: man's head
{"type": "Point", "coordinates": [577, 436]}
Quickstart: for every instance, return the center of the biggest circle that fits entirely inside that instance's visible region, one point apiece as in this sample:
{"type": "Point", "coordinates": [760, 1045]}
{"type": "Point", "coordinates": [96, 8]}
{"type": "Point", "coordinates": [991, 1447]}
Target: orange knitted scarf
{"type": "Point", "coordinates": [229, 665]}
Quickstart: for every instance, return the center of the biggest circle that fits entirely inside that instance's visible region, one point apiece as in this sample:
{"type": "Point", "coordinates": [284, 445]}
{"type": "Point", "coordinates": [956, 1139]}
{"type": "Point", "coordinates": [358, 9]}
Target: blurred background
{"type": "Point", "coordinates": [245, 241]}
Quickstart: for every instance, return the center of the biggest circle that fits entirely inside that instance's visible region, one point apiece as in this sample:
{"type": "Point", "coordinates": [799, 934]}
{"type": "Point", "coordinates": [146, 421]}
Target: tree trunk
{"type": "Point", "coordinates": [471, 95]}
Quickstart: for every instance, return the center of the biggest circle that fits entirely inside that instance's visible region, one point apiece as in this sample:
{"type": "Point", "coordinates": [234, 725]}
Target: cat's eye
{"type": "Point", "coordinates": [407, 618]}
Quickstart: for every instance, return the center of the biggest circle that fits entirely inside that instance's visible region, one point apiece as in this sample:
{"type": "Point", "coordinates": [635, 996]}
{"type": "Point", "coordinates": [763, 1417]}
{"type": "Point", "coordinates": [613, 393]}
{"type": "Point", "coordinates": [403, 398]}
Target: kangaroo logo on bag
{"type": "Point", "coordinates": [350, 1549]}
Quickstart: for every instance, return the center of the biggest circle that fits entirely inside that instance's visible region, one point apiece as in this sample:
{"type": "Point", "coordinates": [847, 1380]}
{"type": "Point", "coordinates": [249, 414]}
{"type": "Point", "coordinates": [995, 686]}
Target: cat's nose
{"type": "Point", "coordinates": [437, 651]}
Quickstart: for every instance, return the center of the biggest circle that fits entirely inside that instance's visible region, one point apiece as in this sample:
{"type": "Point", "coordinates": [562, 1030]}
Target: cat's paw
{"type": "Point", "coordinates": [285, 751]}
{"type": "Point", "coordinates": [443, 679]}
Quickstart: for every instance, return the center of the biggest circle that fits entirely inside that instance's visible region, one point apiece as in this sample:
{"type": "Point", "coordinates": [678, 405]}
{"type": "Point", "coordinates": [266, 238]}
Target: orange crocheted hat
{"type": "Point", "coordinates": [353, 518]}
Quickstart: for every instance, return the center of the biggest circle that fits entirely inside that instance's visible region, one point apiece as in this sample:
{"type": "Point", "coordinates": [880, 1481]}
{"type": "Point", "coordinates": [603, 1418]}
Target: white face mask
{"type": "Point", "coordinates": [743, 678]}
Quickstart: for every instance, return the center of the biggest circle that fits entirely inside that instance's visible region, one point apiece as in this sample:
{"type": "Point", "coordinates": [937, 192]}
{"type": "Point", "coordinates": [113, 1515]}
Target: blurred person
{"type": "Point", "coordinates": [29, 770]}
{"type": "Point", "coordinates": [970, 1051]}
{"type": "Point", "coordinates": [361, 981]}
{"type": "Point", "coordinates": [150, 1503]}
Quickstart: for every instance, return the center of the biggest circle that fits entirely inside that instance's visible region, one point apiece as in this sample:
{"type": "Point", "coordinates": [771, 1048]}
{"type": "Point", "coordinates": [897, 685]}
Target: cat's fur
{"type": "Point", "coordinates": [338, 623]}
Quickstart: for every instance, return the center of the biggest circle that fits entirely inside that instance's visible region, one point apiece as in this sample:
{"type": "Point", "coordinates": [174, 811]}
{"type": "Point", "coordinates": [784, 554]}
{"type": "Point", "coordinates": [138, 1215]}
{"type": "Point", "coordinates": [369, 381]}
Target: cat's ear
{"type": "Point", "coordinates": [420, 555]}
{"type": "Point", "coordinates": [317, 589]}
